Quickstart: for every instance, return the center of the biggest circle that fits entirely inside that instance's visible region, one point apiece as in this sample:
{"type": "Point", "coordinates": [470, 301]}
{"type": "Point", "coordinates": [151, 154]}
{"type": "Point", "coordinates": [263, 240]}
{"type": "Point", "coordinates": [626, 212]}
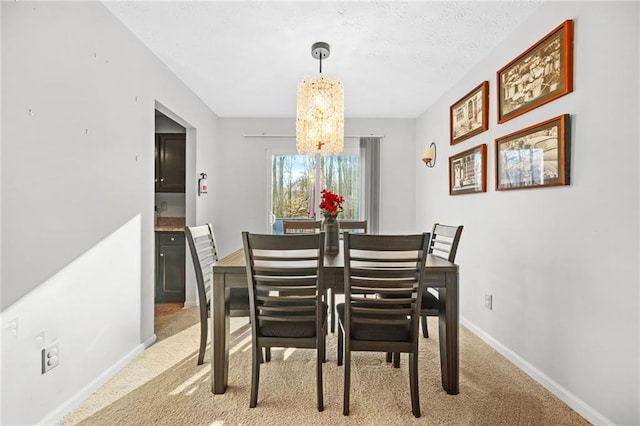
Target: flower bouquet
{"type": "Point", "coordinates": [330, 203]}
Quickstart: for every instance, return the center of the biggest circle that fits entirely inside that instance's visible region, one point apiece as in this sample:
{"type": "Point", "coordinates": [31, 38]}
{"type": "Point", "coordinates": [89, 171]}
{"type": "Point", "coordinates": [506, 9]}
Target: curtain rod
{"type": "Point", "coordinates": [284, 135]}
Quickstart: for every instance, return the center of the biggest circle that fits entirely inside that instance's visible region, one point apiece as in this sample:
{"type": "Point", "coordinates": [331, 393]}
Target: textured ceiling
{"type": "Point", "coordinates": [245, 59]}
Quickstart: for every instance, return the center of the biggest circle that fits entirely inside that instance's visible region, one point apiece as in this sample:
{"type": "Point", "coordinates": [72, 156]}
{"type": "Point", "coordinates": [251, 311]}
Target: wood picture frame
{"type": "Point", "coordinates": [542, 73]}
{"type": "Point", "coordinates": [534, 157]}
{"type": "Point", "coordinates": [470, 115]}
{"type": "Point", "coordinates": [468, 171]}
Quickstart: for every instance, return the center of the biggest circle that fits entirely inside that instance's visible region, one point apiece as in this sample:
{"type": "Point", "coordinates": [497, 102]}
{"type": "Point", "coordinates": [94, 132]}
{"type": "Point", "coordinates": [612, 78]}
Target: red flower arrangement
{"type": "Point", "coordinates": [330, 203]}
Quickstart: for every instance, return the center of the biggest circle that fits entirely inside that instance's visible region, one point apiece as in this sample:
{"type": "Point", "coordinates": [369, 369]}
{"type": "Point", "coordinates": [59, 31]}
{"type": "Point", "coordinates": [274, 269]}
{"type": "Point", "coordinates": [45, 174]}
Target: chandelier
{"type": "Point", "coordinates": [320, 111]}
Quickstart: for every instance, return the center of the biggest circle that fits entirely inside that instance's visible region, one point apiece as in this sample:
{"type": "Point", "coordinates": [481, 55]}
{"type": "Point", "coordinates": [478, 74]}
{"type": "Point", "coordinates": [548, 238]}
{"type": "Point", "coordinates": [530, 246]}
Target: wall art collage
{"type": "Point", "coordinates": [535, 156]}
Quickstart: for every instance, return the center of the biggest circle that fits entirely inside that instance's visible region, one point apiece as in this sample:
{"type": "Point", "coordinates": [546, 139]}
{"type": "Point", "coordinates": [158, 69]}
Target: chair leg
{"type": "Point", "coordinates": [332, 302]}
{"type": "Point", "coordinates": [340, 345]}
{"type": "Point", "coordinates": [413, 384]}
{"type": "Point", "coordinates": [267, 355]}
{"type": "Point", "coordinates": [320, 355]}
{"type": "Point", "coordinates": [347, 382]}
{"type": "Point", "coordinates": [324, 344]}
{"type": "Point", "coordinates": [425, 328]}
{"type": "Point", "coordinates": [389, 357]}
{"type": "Point", "coordinates": [256, 355]}
{"type": "Point", "coordinates": [203, 339]}
{"type": "Point", "coordinates": [396, 359]}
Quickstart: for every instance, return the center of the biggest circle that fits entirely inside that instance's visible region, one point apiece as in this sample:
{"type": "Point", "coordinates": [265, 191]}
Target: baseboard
{"type": "Point", "coordinates": [56, 416]}
{"type": "Point", "coordinates": [150, 341]}
{"type": "Point", "coordinates": [190, 304]}
{"type": "Point", "coordinates": [578, 405]}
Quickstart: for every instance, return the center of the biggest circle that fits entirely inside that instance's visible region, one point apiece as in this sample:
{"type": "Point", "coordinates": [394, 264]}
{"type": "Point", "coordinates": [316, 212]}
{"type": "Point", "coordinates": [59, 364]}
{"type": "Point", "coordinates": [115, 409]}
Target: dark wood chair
{"type": "Point", "coordinates": [301, 226]}
{"type": "Point", "coordinates": [285, 285]}
{"type": "Point", "coordinates": [353, 226]}
{"type": "Point", "coordinates": [444, 244]}
{"type": "Point", "coordinates": [390, 265]}
{"type": "Point", "coordinates": [202, 245]}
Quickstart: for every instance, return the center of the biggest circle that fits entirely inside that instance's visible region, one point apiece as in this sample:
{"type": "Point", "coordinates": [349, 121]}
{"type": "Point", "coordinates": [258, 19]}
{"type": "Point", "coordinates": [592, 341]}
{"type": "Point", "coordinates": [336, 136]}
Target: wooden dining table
{"type": "Point", "coordinates": [440, 274]}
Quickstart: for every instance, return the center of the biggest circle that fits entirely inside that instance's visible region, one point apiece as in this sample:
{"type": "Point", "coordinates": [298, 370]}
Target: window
{"type": "Point", "coordinates": [297, 180]}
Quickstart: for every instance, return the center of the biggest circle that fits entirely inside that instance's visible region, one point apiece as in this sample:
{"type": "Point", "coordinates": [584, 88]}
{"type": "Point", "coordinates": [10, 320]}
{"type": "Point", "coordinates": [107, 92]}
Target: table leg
{"type": "Point", "coordinates": [448, 335]}
{"type": "Point", "coordinates": [219, 334]}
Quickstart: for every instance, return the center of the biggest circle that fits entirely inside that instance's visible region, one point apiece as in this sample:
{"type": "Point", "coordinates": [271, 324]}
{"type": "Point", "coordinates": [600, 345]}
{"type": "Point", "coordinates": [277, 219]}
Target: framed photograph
{"type": "Point", "coordinates": [470, 115]}
{"type": "Point", "coordinates": [534, 157]}
{"type": "Point", "coordinates": [468, 171]}
{"type": "Point", "coordinates": [541, 74]}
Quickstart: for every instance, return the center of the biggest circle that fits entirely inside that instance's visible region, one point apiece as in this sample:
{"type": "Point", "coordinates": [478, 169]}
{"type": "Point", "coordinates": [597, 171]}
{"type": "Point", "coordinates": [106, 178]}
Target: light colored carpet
{"type": "Point", "coordinates": [163, 386]}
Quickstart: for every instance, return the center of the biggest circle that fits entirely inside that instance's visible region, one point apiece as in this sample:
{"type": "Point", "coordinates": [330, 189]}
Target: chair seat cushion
{"type": "Point", "coordinates": [376, 332]}
{"type": "Point", "coordinates": [429, 301]}
{"type": "Point", "coordinates": [291, 328]}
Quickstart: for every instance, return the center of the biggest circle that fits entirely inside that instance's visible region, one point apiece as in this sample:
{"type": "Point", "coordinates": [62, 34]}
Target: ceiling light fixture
{"type": "Point", "coordinates": [320, 111]}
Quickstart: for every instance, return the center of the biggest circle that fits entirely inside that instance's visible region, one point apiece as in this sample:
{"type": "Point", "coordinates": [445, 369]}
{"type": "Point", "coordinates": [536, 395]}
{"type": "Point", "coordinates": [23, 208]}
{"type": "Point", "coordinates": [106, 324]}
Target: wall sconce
{"type": "Point", "coordinates": [430, 155]}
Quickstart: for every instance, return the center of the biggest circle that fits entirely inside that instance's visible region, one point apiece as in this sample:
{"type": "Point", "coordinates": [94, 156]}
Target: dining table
{"type": "Point", "coordinates": [440, 275]}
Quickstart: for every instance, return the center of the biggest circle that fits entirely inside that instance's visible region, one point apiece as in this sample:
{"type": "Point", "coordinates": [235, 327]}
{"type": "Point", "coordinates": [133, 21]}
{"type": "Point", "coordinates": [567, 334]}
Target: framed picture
{"type": "Point", "coordinates": [470, 115]}
{"type": "Point", "coordinates": [534, 157]}
{"type": "Point", "coordinates": [541, 74]}
{"type": "Point", "coordinates": [468, 171]}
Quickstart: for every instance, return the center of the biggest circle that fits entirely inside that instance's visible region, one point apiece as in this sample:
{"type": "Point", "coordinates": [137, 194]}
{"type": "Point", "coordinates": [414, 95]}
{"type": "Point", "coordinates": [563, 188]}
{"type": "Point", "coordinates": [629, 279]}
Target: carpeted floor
{"type": "Point", "coordinates": [163, 386]}
{"type": "Point", "coordinates": [172, 318]}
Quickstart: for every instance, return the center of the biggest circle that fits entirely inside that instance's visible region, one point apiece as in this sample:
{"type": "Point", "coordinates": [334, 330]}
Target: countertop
{"type": "Point", "coordinates": [170, 224]}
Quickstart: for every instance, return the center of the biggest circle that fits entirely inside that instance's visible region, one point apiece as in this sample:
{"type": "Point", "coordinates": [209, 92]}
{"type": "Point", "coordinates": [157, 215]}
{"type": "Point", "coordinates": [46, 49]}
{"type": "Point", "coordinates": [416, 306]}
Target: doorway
{"type": "Point", "coordinates": [169, 219]}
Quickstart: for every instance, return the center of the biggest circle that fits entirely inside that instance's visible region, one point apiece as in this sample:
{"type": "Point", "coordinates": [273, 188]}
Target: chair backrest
{"type": "Point", "coordinates": [202, 246]}
{"type": "Point", "coordinates": [285, 279]}
{"type": "Point", "coordinates": [445, 240]}
{"type": "Point", "coordinates": [301, 226]}
{"type": "Point", "coordinates": [353, 226]}
{"type": "Point", "coordinates": [391, 266]}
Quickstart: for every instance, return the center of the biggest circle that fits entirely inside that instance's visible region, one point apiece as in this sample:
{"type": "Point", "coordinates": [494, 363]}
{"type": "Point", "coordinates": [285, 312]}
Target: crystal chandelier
{"type": "Point", "coordinates": [320, 111]}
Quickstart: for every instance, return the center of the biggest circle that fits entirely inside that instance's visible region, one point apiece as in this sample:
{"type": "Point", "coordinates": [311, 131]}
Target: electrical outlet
{"type": "Point", "coordinates": [488, 301]}
{"type": "Point", "coordinates": [50, 357]}
{"type": "Point", "coordinates": [163, 206]}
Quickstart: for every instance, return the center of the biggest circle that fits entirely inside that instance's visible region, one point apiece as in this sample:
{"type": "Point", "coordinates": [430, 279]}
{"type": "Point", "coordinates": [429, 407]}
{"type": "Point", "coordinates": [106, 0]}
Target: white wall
{"type": "Point", "coordinates": [561, 263]}
{"type": "Point", "coordinates": [78, 99]}
{"type": "Point", "coordinates": [239, 182]}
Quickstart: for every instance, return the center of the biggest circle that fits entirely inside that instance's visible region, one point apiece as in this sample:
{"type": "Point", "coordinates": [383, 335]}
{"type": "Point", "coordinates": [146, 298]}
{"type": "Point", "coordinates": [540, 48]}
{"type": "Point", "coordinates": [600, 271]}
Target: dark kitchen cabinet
{"type": "Point", "coordinates": [170, 162]}
{"type": "Point", "coordinates": [170, 268]}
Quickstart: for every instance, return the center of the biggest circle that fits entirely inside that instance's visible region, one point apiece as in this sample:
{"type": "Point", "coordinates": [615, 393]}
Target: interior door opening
{"type": "Point", "coordinates": [169, 219]}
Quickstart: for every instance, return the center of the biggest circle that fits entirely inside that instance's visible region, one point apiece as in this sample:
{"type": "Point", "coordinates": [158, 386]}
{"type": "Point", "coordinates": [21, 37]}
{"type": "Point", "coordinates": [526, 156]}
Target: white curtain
{"type": "Point", "coordinates": [370, 153]}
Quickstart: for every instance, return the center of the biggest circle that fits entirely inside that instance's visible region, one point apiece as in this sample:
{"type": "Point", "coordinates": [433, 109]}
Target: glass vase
{"type": "Point", "coordinates": [331, 229]}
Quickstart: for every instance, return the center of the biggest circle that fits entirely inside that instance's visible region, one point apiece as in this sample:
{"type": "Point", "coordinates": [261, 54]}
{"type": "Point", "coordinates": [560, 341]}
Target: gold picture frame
{"type": "Point", "coordinates": [468, 171]}
{"type": "Point", "coordinates": [534, 157]}
{"type": "Point", "coordinates": [470, 115]}
{"type": "Point", "coordinates": [542, 73]}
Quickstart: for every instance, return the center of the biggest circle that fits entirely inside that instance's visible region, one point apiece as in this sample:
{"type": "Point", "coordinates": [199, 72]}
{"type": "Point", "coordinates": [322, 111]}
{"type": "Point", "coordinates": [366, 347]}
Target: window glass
{"type": "Point", "coordinates": [341, 175]}
{"type": "Point", "coordinates": [295, 194]}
